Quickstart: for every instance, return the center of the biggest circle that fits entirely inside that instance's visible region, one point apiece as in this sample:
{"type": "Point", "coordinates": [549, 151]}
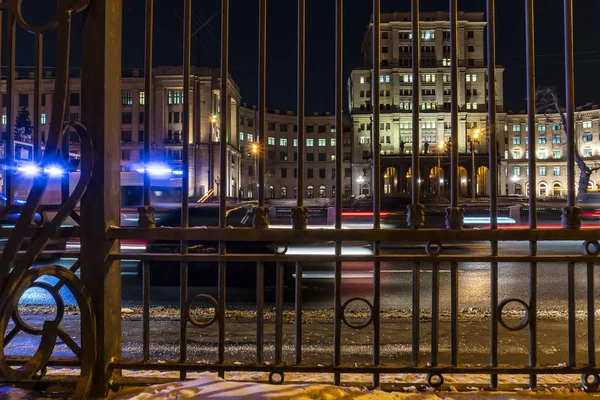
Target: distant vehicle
{"type": "Point", "coordinates": [167, 273]}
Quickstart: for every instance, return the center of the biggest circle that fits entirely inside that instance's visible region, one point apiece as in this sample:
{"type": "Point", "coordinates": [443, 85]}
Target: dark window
{"type": "Point", "coordinates": [140, 136]}
{"type": "Point", "coordinates": [347, 156]}
{"type": "Point", "coordinates": [126, 136]}
{"type": "Point", "coordinates": [333, 173]}
{"type": "Point", "coordinates": [322, 129]}
{"type": "Point", "coordinates": [141, 118]}
{"type": "Point", "coordinates": [283, 156]}
{"type": "Point", "coordinates": [322, 173]}
{"type": "Point", "coordinates": [283, 128]}
{"type": "Point", "coordinates": [24, 100]}
{"type": "Point", "coordinates": [74, 117]}
{"type": "Point", "coordinates": [470, 34]}
{"type": "Point", "coordinates": [271, 126]}
{"type": "Point", "coordinates": [384, 35]}
{"type": "Point", "coordinates": [310, 129]}
{"type": "Point", "coordinates": [295, 156]}
{"type": "Point", "coordinates": [125, 118]}
{"type": "Point", "coordinates": [295, 172]}
{"type": "Point", "coordinates": [4, 99]}
{"type": "Point", "coordinates": [73, 137]}
{"type": "Point", "coordinates": [176, 117]}
{"type": "Point", "coordinates": [322, 156]}
{"type": "Point", "coordinates": [250, 122]}
{"type": "Point", "coordinates": [347, 173]}
{"type": "Point", "coordinates": [295, 128]}
{"type": "Point", "coordinates": [250, 170]}
{"type": "Point", "coordinates": [74, 99]}
{"type": "Point", "coordinates": [384, 50]}
{"type": "Point", "coordinates": [170, 117]}
{"type": "Point", "coordinates": [284, 172]}
{"type": "Point", "coordinates": [366, 154]}
{"type": "Point", "coordinates": [271, 155]}
{"type": "Point", "coordinates": [310, 156]}
{"type": "Point", "coordinates": [309, 173]}
{"type": "Point", "coordinates": [43, 99]}
{"type": "Point", "coordinates": [471, 49]}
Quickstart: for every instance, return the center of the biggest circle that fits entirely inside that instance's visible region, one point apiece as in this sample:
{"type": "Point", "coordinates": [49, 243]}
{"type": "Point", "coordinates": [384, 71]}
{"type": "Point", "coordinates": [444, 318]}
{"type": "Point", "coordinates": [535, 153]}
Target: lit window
{"type": "Point", "coordinates": [387, 80]}
{"type": "Point", "coordinates": [333, 157]}
{"type": "Point", "coordinates": [587, 152]}
{"type": "Point", "coordinates": [126, 98]}
{"type": "Point", "coordinates": [587, 124]}
{"type": "Point", "coordinates": [556, 139]}
{"type": "Point", "coordinates": [332, 142]}
{"type": "Point", "coordinates": [556, 154]}
{"type": "Point", "coordinates": [542, 140]}
{"type": "Point", "coordinates": [241, 135]}
{"type": "Point", "coordinates": [322, 142]}
{"type": "Point", "coordinates": [42, 118]}
{"type": "Point", "coordinates": [516, 154]}
{"type": "Point", "coordinates": [283, 141]}
{"type": "Point", "coordinates": [295, 142]}
{"type": "Point", "coordinates": [516, 128]}
{"type": "Point", "coordinates": [381, 79]}
{"type": "Point", "coordinates": [587, 137]}
{"type": "Point", "coordinates": [542, 171]}
{"type": "Point", "coordinates": [250, 137]}
{"type": "Point", "coordinates": [542, 155]}
{"type": "Point", "coordinates": [556, 171]}
{"type": "Point", "coordinates": [517, 171]}
{"type": "Point", "coordinates": [362, 79]}
{"type": "Point", "coordinates": [556, 127]}
{"type": "Point", "coordinates": [541, 128]}
{"type": "Point", "coordinates": [3, 119]}
{"type": "Point", "coordinates": [310, 142]}
{"type": "Point", "coordinates": [271, 141]}
{"type": "Point", "coordinates": [142, 98]}
{"type": "Point", "coordinates": [517, 140]}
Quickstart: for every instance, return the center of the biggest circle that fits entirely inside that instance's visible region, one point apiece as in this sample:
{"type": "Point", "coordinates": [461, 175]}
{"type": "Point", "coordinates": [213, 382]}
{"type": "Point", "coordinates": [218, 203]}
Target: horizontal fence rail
{"type": "Point", "coordinates": [278, 346]}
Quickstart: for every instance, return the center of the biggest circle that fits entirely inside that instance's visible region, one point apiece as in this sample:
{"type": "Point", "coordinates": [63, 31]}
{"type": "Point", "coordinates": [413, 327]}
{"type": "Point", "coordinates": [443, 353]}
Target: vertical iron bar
{"type": "Point", "coordinates": [279, 313]}
{"type": "Point", "coordinates": [224, 104]}
{"type": "Point", "coordinates": [570, 102]}
{"type": "Point", "coordinates": [531, 127]}
{"type": "Point", "coordinates": [260, 311]}
{"type": "Point", "coordinates": [261, 126]}
{"type": "Point", "coordinates": [454, 106]}
{"type": "Point", "coordinates": [454, 313]}
{"type": "Point", "coordinates": [10, 105]}
{"type": "Point", "coordinates": [37, 96]}
{"type": "Point", "coordinates": [591, 309]}
{"type": "Point", "coordinates": [298, 313]}
{"type": "Point", "coordinates": [435, 309]}
{"type": "Point", "coordinates": [148, 96]}
{"type": "Point", "coordinates": [301, 99]}
{"type": "Point", "coordinates": [187, 39]}
{"type": "Point", "coordinates": [571, 301]}
{"type": "Point", "coordinates": [376, 180]}
{"type": "Point", "coordinates": [416, 100]}
{"type": "Point", "coordinates": [494, 322]}
{"type": "Point", "coordinates": [339, 130]}
{"type": "Point", "coordinates": [146, 310]}
{"type": "Point", "coordinates": [416, 291]}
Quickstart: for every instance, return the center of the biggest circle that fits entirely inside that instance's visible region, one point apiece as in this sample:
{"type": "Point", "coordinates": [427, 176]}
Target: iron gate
{"type": "Point", "coordinates": [97, 291]}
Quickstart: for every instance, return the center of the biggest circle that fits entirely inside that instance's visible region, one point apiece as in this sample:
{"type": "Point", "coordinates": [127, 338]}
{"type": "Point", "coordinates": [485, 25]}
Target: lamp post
{"type": "Point", "coordinates": [254, 151]}
{"type": "Point", "coordinates": [360, 180]}
{"type": "Point", "coordinates": [441, 147]}
{"type": "Point", "coordinates": [474, 138]}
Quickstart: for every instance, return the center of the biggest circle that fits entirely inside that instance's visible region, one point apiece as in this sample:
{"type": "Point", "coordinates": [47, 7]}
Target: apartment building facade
{"type": "Point", "coordinates": [396, 98]}
{"type": "Point", "coordinates": [282, 155]}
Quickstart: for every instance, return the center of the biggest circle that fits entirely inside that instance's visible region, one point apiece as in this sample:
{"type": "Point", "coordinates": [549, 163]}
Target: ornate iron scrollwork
{"type": "Point", "coordinates": [17, 276]}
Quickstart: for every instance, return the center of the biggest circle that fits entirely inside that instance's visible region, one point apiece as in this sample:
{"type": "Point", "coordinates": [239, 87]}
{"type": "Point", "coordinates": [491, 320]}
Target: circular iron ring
{"type": "Point", "coordinates": [278, 252]}
{"type": "Point", "coordinates": [593, 385]}
{"type": "Point", "coordinates": [273, 380]}
{"type": "Point", "coordinates": [64, 8]}
{"type": "Point", "coordinates": [591, 248]}
{"type": "Point", "coordinates": [524, 321]}
{"type": "Point", "coordinates": [435, 380]}
{"type": "Point", "coordinates": [203, 324]}
{"type": "Point", "coordinates": [60, 310]}
{"type": "Point", "coordinates": [366, 322]}
{"type": "Point", "coordinates": [433, 248]}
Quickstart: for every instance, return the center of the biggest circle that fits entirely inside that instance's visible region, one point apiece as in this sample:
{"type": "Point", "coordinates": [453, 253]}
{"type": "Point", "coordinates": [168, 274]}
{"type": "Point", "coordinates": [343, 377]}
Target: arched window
{"type": "Point", "coordinates": [556, 189]}
{"type": "Point", "coordinates": [284, 192]}
{"type": "Point", "coordinates": [271, 192]}
{"type": "Point", "coordinates": [310, 192]}
{"type": "Point", "coordinates": [322, 191]}
{"type": "Point", "coordinates": [543, 189]}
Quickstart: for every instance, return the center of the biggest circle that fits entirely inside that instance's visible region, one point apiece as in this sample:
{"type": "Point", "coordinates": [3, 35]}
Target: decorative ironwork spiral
{"type": "Point", "coordinates": [17, 276]}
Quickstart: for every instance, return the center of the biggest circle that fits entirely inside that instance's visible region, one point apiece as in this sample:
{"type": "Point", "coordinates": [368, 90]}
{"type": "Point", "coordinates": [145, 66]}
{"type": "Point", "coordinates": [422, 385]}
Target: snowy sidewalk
{"type": "Point", "coordinates": [212, 387]}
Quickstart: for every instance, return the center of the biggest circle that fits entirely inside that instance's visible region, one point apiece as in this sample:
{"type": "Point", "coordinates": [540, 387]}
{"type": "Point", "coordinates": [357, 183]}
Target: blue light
{"type": "Point", "coordinates": [29, 170]}
{"type": "Point", "coordinates": [54, 170]}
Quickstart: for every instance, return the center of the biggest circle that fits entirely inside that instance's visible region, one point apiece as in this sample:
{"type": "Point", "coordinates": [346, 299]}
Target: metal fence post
{"type": "Point", "coordinates": [101, 114]}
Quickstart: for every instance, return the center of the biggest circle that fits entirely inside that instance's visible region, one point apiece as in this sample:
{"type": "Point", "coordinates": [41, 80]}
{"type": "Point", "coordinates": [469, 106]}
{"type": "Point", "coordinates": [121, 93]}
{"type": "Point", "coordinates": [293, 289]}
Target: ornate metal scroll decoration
{"type": "Point", "coordinates": [18, 275]}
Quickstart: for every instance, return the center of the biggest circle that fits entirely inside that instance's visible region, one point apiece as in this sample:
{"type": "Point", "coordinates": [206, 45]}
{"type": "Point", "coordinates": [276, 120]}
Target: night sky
{"type": "Point", "coordinates": [282, 42]}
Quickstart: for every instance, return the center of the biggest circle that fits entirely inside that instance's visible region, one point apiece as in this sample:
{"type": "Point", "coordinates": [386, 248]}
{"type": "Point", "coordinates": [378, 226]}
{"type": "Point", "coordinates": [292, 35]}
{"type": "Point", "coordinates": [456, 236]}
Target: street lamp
{"type": "Point", "coordinates": [441, 147]}
{"type": "Point", "coordinates": [360, 180]}
{"type": "Point", "coordinates": [254, 150]}
{"type": "Point", "coordinates": [474, 138]}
